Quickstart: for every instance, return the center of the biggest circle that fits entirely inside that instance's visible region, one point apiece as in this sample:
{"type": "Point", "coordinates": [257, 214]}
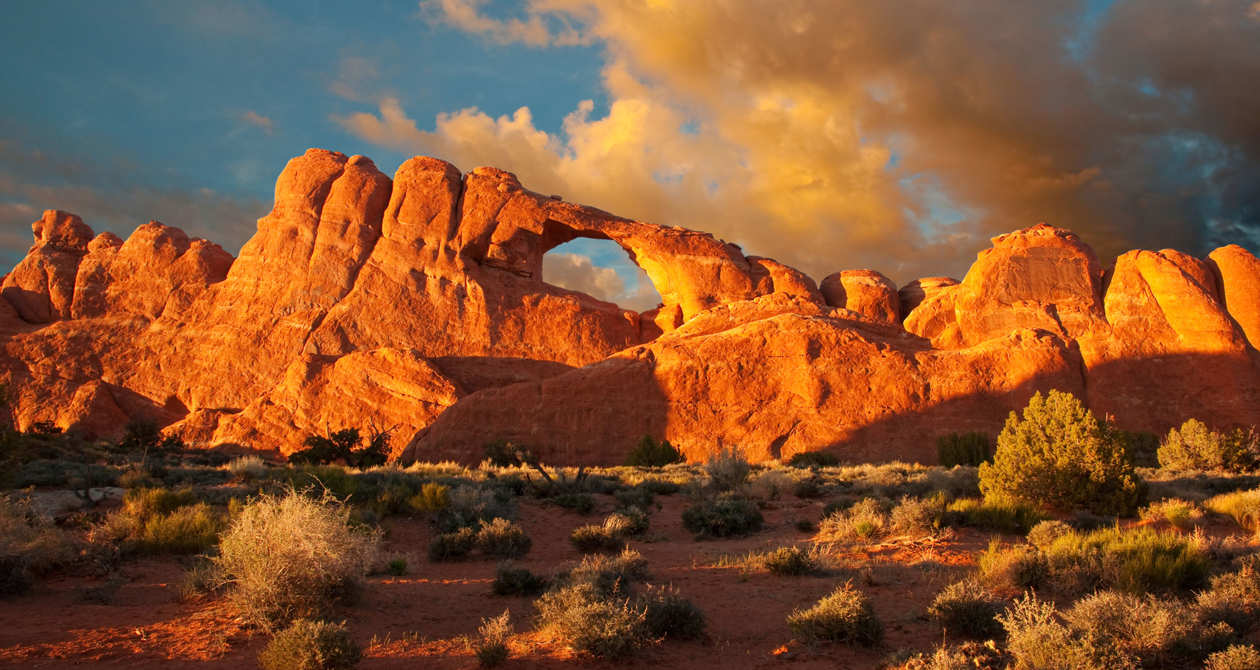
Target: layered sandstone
{"type": "Point", "coordinates": [416, 305]}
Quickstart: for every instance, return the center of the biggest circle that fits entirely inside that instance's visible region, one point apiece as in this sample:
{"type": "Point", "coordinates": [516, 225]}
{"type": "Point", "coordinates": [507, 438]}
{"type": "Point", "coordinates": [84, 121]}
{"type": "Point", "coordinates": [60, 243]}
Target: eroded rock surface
{"type": "Point", "coordinates": [415, 304]}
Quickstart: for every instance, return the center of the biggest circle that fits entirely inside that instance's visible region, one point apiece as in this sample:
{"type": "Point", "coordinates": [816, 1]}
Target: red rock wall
{"type": "Point", "coordinates": [417, 304]}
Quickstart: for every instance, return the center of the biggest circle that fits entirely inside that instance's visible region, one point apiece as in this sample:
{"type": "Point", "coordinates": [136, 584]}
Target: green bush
{"type": "Point", "coordinates": [184, 530]}
{"type": "Point", "coordinates": [994, 513]}
{"type": "Point", "coordinates": [311, 645]}
{"type": "Point", "coordinates": [503, 539]}
{"type": "Point", "coordinates": [1136, 560]}
{"type": "Point", "coordinates": [290, 557]}
{"type": "Point", "coordinates": [510, 581]}
{"type": "Point", "coordinates": [582, 503]}
{"type": "Point", "coordinates": [1241, 506]}
{"type": "Point", "coordinates": [1058, 455]}
{"type": "Point", "coordinates": [1178, 513]}
{"type": "Point", "coordinates": [845, 615]}
{"type": "Point", "coordinates": [814, 459]}
{"type": "Point", "coordinates": [964, 449]}
{"type": "Point", "coordinates": [722, 518]}
{"type": "Point", "coordinates": [968, 609]}
{"type": "Point", "coordinates": [490, 647]}
{"type": "Point", "coordinates": [1193, 446]}
{"type": "Point", "coordinates": [433, 497]}
{"type": "Point", "coordinates": [452, 546]}
{"type": "Point", "coordinates": [653, 454]}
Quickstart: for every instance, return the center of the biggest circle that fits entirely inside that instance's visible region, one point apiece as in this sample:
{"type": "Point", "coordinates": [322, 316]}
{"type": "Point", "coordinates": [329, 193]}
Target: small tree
{"type": "Point", "coordinates": [1058, 455]}
{"type": "Point", "coordinates": [1195, 447]}
{"type": "Point", "coordinates": [651, 453]}
{"type": "Point", "coordinates": [343, 446]}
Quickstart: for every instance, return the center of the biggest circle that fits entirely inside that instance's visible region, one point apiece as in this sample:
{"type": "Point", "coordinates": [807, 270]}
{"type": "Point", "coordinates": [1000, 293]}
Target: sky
{"type": "Point", "coordinates": [827, 135]}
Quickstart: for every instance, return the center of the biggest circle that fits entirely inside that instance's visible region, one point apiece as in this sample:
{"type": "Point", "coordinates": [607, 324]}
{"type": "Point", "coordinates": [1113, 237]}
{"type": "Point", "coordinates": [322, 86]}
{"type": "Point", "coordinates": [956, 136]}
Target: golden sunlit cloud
{"type": "Point", "coordinates": [896, 136]}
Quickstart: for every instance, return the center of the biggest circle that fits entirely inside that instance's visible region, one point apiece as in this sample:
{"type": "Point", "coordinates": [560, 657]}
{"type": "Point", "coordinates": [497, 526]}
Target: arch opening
{"type": "Point", "coordinates": [602, 269]}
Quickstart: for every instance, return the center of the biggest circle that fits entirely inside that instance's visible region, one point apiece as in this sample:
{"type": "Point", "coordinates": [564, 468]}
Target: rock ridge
{"type": "Point", "coordinates": [417, 304]}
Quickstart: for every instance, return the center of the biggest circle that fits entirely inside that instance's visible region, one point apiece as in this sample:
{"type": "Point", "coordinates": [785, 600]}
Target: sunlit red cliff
{"type": "Point", "coordinates": [417, 304]}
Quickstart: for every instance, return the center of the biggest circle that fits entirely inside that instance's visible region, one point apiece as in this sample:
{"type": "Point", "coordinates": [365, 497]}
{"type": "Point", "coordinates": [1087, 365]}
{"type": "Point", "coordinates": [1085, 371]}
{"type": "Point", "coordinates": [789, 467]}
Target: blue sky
{"type": "Point", "coordinates": [902, 147]}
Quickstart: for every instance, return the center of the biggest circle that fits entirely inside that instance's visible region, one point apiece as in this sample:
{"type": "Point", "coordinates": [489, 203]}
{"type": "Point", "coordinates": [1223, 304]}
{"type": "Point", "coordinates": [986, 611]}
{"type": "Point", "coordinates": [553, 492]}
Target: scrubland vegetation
{"type": "Point", "coordinates": [1048, 546]}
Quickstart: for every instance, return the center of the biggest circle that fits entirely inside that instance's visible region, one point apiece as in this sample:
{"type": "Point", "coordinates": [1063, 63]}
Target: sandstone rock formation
{"type": "Point", "coordinates": [416, 304]}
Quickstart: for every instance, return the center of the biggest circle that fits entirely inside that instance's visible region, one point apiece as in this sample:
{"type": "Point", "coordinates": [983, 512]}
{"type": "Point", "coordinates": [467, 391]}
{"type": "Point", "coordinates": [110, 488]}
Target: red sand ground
{"type": "Point", "coordinates": [419, 620]}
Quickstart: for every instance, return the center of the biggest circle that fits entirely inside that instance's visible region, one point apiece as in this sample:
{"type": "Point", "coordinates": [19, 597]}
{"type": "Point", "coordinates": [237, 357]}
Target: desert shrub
{"type": "Point", "coordinates": [968, 609]}
{"type": "Point", "coordinates": [287, 557]}
{"type": "Point", "coordinates": [510, 581]}
{"type": "Point", "coordinates": [432, 497]}
{"type": "Point", "coordinates": [247, 468]}
{"type": "Point", "coordinates": [863, 521]}
{"type": "Point", "coordinates": [770, 484]}
{"type": "Point", "coordinates": [792, 561]}
{"type": "Point", "coordinates": [470, 506]}
{"type": "Point", "coordinates": [1234, 597]}
{"type": "Point", "coordinates": [452, 546]}
{"type": "Point", "coordinates": [1147, 629]}
{"type": "Point", "coordinates": [507, 454]}
{"type": "Point", "coordinates": [1044, 533]}
{"type": "Point", "coordinates": [667, 614]}
{"type": "Point", "coordinates": [1236, 657]}
{"type": "Point", "coordinates": [970, 655]}
{"type": "Point", "coordinates": [1178, 513]}
{"type": "Point", "coordinates": [504, 539]}
{"type": "Point", "coordinates": [184, 530]}
{"type": "Point", "coordinates": [1193, 446]}
{"type": "Point", "coordinates": [807, 488]}
{"type": "Point", "coordinates": [594, 537]}
{"type": "Point", "coordinates": [144, 503]}
{"type": "Point", "coordinates": [611, 575]}
{"type": "Point", "coordinates": [1142, 447]}
{"type": "Point", "coordinates": [1241, 506]}
{"type": "Point", "coordinates": [1004, 515]}
{"type": "Point", "coordinates": [490, 646]}
{"type": "Point", "coordinates": [1136, 560]}
{"type": "Point", "coordinates": [722, 517]}
{"type": "Point", "coordinates": [582, 503]}
{"type": "Point", "coordinates": [727, 469]}
{"type": "Point", "coordinates": [28, 544]}
{"type": "Point", "coordinates": [396, 567]}
{"type": "Point", "coordinates": [640, 496]}
{"type": "Point", "coordinates": [1058, 455]}
{"type": "Point", "coordinates": [917, 517]}
{"type": "Point", "coordinates": [813, 459]}
{"type": "Point", "coordinates": [311, 645]}
{"type": "Point", "coordinates": [343, 446]}
{"type": "Point", "coordinates": [845, 615]}
{"type": "Point", "coordinates": [660, 487]}
{"type": "Point", "coordinates": [1012, 568]}
{"type": "Point", "coordinates": [964, 449]}
{"type": "Point", "coordinates": [612, 533]}
{"type": "Point", "coordinates": [590, 621]}
{"type": "Point", "coordinates": [653, 454]}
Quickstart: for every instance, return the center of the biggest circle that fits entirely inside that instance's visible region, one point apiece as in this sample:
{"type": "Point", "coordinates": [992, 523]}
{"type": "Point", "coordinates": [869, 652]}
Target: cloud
{"type": "Point", "coordinates": [577, 272]}
{"type": "Point", "coordinates": [535, 30]}
{"type": "Point", "coordinates": [357, 79]}
{"type": "Point", "coordinates": [898, 136]}
{"type": "Point", "coordinates": [110, 194]}
{"type": "Point", "coordinates": [259, 121]}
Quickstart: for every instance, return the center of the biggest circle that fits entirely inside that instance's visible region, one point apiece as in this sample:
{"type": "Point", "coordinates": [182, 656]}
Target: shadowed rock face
{"type": "Point", "coordinates": [416, 304]}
